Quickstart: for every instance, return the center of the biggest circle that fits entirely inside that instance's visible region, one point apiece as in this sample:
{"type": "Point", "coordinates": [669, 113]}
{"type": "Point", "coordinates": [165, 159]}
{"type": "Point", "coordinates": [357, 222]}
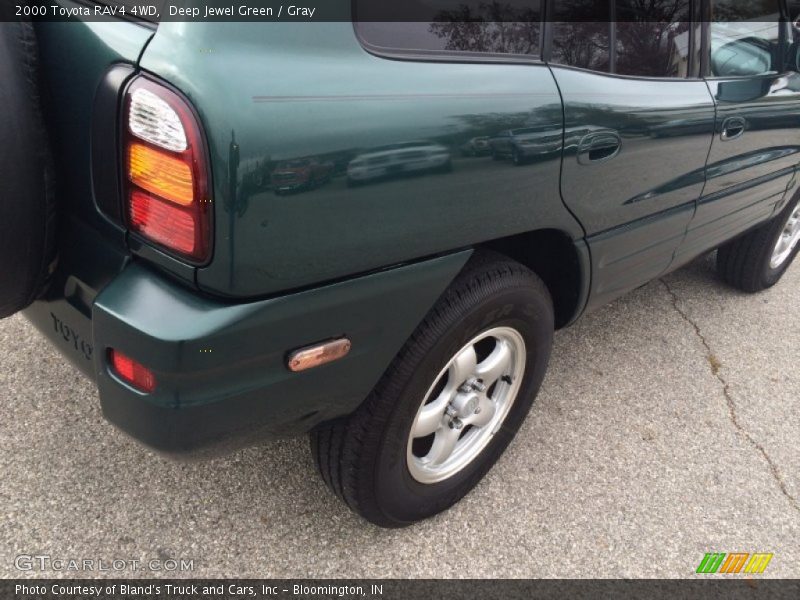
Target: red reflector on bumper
{"type": "Point", "coordinates": [131, 371]}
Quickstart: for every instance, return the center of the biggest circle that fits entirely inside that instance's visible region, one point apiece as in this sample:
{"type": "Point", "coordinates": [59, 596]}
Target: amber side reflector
{"type": "Point", "coordinates": [131, 371]}
{"type": "Point", "coordinates": [160, 173]}
{"type": "Point", "coordinates": [318, 354]}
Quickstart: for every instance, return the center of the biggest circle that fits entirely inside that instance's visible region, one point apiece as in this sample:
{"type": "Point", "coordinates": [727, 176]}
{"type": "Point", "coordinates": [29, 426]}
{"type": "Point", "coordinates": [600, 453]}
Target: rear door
{"type": "Point", "coordinates": [757, 137]}
{"type": "Point", "coordinates": [638, 131]}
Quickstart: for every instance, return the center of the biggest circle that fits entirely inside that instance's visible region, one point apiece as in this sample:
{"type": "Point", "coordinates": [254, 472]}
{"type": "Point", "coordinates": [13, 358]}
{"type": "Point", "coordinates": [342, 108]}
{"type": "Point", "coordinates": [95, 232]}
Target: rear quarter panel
{"type": "Point", "coordinates": [271, 92]}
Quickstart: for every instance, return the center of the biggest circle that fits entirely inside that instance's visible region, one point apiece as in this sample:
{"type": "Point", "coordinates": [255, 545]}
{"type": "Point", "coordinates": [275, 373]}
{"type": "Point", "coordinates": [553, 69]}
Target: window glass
{"type": "Point", "coordinates": [485, 26]}
{"type": "Point", "coordinates": [581, 34]}
{"type": "Point", "coordinates": [745, 37]}
{"type": "Point", "coordinates": [652, 38]}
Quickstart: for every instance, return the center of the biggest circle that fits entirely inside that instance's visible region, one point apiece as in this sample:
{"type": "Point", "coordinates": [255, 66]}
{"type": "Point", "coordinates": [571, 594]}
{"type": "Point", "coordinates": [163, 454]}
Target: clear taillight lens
{"type": "Point", "coordinates": [167, 190]}
{"type": "Point", "coordinates": [152, 119]}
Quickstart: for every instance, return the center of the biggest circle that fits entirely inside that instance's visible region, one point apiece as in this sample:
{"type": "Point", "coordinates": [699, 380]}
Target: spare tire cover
{"type": "Point", "coordinates": [27, 211]}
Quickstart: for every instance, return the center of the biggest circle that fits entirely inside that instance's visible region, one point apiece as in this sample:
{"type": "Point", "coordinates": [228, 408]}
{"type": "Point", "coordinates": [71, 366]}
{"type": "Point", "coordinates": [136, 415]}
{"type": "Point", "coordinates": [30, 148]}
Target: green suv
{"type": "Point", "coordinates": [405, 322]}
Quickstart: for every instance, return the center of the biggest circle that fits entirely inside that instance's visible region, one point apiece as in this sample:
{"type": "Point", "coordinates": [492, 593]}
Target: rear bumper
{"type": "Point", "coordinates": [220, 367]}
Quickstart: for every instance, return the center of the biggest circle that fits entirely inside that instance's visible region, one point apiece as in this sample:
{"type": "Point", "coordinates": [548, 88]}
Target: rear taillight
{"type": "Point", "coordinates": [131, 371]}
{"type": "Point", "coordinates": [167, 191]}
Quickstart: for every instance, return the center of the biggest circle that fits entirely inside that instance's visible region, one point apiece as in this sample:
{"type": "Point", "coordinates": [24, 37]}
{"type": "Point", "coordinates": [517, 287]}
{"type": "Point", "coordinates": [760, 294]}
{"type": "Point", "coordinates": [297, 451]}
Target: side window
{"type": "Point", "coordinates": [652, 38]}
{"type": "Point", "coordinates": [745, 38]}
{"type": "Point", "coordinates": [581, 34]}
{"type": "Point", "coordinates": [628, 37]}
{"type": "Point", "coordinates": [444, 26]}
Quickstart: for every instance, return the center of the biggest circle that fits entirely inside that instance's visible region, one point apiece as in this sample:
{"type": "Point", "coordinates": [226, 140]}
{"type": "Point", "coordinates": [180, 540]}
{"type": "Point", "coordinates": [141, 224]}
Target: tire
{"type": "Point", "coordinates": [747, 261]}
{"type": "Point", "coordinates": [496, 155]}
{"type": "Point", "coordinates": [27, 201]}
{"type": "Point", "coordinates": [516, 156]}
{"type": "Point", "coordinates": [367, 458]}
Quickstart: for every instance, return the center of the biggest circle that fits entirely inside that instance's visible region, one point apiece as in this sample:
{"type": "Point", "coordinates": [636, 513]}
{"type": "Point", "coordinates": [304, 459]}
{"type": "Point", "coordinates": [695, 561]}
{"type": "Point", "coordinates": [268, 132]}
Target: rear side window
{"type": "Point", "coordinates": [652, 38]}
{"type": "Point", "coordinates": [746, 38]}
{"type": "Point", "coordinates": [581, 34]}
{"type": "Point", "coordinates": [626, 37]}
{"type": "Point", "coordinates": [451, 26]}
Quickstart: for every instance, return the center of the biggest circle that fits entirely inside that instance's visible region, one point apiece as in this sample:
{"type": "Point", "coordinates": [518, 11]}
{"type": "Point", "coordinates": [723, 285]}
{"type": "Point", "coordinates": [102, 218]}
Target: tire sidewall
{"type": "Point", "coordinates": [401, 497]}
{"type": "Point", "coordinates": [27, 201]}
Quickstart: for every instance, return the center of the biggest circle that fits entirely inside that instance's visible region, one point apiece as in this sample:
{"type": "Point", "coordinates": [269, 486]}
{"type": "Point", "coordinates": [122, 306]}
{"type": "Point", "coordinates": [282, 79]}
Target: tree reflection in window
{"type": "Point", "coordinates": [494, 27]}
{"type": "Point", "coordinates": [652, 37]}
{"type": "Point", "coordinates": [581, 34]}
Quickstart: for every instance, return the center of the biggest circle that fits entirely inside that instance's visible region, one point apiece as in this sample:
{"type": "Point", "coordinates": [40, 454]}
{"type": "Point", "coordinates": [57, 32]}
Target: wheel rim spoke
{"type": "Point", "coordinates": [497, 364]}
{"type": "Point", "coordinates": [431, 416]}
{"type": "Point", "coordinates": [463, 366]}
{"type": "Point", "coordinates": [443, 445]}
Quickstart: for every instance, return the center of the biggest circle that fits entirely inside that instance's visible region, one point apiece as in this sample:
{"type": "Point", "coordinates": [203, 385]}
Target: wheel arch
{"type": "Point", "coordinates": [561, 262]}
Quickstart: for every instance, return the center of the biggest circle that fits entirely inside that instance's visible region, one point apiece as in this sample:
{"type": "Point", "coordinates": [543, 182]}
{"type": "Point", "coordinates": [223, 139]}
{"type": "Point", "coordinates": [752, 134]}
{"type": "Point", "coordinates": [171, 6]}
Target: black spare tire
{"type": "Point", "coordinates": [27, 200]}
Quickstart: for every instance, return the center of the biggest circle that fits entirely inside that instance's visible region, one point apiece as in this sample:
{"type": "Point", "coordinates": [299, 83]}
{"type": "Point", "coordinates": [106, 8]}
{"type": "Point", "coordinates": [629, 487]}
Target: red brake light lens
{"type": "Point", "coordinates": [131, 371]}
{"type": "Point", "coordinates": [162, 222]}
{"type": "Point", "coordinates": [166, 172]}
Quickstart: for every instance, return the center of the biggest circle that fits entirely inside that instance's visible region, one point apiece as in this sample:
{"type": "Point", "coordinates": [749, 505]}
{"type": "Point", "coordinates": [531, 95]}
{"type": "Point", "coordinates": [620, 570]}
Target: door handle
{"type": "Point", "coordinates": [733, 128]}
{"type": "Point", "coordinates": [598, 147]}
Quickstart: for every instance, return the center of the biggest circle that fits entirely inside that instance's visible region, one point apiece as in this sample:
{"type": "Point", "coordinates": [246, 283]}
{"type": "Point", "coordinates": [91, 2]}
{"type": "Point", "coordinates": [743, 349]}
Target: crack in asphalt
{"type": "Point", "coordinates": [715, 366]}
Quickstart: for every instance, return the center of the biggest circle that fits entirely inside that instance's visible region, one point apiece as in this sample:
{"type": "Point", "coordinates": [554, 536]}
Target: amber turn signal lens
{"type": "Point", "coordinates": [131, 371]}
{"type": "Point", "coordinates": [318, 354]}
{"type": "Point", "coordinates": [160, 173]}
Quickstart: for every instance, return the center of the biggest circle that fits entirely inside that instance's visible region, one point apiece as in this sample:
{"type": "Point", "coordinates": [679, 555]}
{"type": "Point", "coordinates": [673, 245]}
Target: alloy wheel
{"type": "Point", "coordinates": [466, 405]}
{"type": "Point", "coordinates": [787, 240]}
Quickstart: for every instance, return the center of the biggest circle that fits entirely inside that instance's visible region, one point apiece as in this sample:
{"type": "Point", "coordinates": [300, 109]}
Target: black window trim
{"type": "Point", "coordinates": [449, 56]}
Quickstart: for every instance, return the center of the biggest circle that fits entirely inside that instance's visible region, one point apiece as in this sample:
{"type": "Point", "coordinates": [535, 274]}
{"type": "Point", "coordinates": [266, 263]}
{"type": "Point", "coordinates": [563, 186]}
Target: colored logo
{"type": "Point", "coordinates": [737, 562]}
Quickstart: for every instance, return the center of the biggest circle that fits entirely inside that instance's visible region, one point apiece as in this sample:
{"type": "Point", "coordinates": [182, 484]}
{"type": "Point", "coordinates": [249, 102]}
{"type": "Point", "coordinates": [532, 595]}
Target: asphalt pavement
{"type": "Point", "coordinates": [667, 427]}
